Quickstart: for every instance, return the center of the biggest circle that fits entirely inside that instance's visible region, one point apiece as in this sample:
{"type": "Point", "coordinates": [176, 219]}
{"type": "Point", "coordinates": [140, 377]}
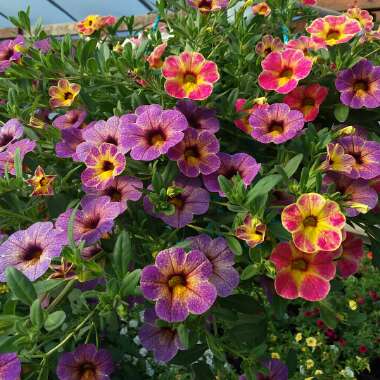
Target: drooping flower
{"type": "Point", "coordinates": [71, 119]}
{"type": "Point", "coordinates": [300, 274]}
{"type": "Point", "coordinates": [315, 223]}
{"type": "Point", "coordinates": [307, 45]}
{"type": "Point", "coordinates": [206, 6]}
{"type": "Point", "coordinates": [11, 131]}
{"type": "Point", "coordinates": [252, 231]}
{"type": "Point", "coordinates": [268, 44]}
{"type": "Point", "coordinates": [276, 123]}
{"type": "Point", "coordinates": [241, 164]}
{"type": "Point", "coordinates": [196, 153]}
{"type": "Point", "coordinates": [282, 70]}
{"type": "Point", "coordinates": [64, 94]}
{"type": "Point", "coordinates": [224, 276]}
{"type": "Point", "coordinates": [31, 250]}
{"type": "Point", "coordinates": [42, 183]}
{"type": "Point", "coordinates": [337, 160]}
{"type": "Point", "coordinates": [103, 164]}
{"type": "Point", "coordinates": [93, 23]}
{"type": "Point", "coordinates": [192, 200]}
{"type": "Point", "coordinates": [363, 16]}
{"type": "Point", "coordinates": [334, 30]}
{"type": "Point", "coordinates": [163, 341]}
{"type": "Point", "coordinates": [198, 117]}
{"type": "Point", "coordinates": [179, 283]}
{"type": "Point", "coordinates": [366, 154]}
{"type": "Point", "coordinates": [85, 363]}
{"type": "Point", "coordinates": [70, 139]}
{"type": "Point", "coordinates": [95, 218]}
{"type": "Point", "coordinates": [154, 132]}
{"type": "Point", "coordinates": [10, 51]}
{"type": "Point", "coordinates": [307, 99]}
{"type": "Point", "coordinates": [10, 366]}
{"type": "Point", "coordinates": [261, 9]}
{"type": "Point", "coordinates": [155, 58]}
{"type": "Point", "coordinates": [189, 75]}
{"type": "Point", "coordinates": [360, 86]}
{"type": "Point", "coordinates": [43, 45]}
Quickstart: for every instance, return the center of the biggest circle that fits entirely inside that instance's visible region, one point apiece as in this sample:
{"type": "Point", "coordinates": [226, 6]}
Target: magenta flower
{"type": "Point", "coordinates": [276, 123]}
{"type": "Point", "coordinates": [360, 85]}
{"type": "Point", "coordinates": [198, 117]}
{"type": "Point", "coordinates": [10, 366]}
{"type": "Point", "coordinates": [193, 200]}
{"type": "Point", "coordinates": [10, 51]}
{"type": "Point", "coordinates": [196, 153]}
{"type": "Point", "coordinates": [71, 119]}
{"type": "Point", "coordinates": [163, 341]}
{"type": "Point", "coordinates": [7, 157]}
{"type": "Point", "coordinates": [31, 250]}
{"type": "Point", "coordinates": [351, 253]}
{"type": "Point", "coordinates": [224, 276]}
{"type": "Point", "coordinates": [241, 164]}
{"type": "Point", "coordinates": [11, 131]}
{"type": "Point", "coordinates": [43, 45]}
{"type": "Point", "coordinates": [179, 283]}
{"type": "Point", "coordinates": [94, 219]}
{"type": "Point", "coordinates": [85, 363]}
{"type": "Point", "coordinates": [154, 132]}
{"type": "Point", "coordinates": [70, 139]}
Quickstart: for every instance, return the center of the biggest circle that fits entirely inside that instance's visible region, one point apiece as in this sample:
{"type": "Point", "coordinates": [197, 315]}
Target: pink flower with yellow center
{"type": "Point", "coordinates": [189, 75]}
{"type": "Point", "coordinates": [334, 30]}
{"type": "Point", "coordinates": [315, 223]}
{"type": "Point", "coordinates": [300, 274]}
{"type": "Point", "coordinates": [155, 58]}
{"type": "Point", "coordinates": [64, 94]}
{"type": "Point", "coordinates": [252, 231]}
{"type": "Point", "coordinates": [268, 44]}
{"type": "Point", "coordinates": [243, 122]}
{"type": "Point", "coordinates": [42, 183]}
{"type": "Point", "coordinates": [206, 6]}
{"type": "Point", "coordinates": [261, 9]}
{"type": "Point", "coordinates": [92, 23]}
{"type": "Point", "coordinates": [364, 17]}
{"type": "Point", "coordinates": [282, 70]}
{"type": "Point", "coordinates": [336, 160]}
{"type": "Point", "coordinates": [307, 45]}
{"type": "Point", "coordinates": [104, 163]}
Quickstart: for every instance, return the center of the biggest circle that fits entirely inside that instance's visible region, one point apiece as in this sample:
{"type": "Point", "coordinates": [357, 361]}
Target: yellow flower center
{"type": "Point", "coordinates": [190, 78]}
{"type": "Point", "coordinates": [299, 264]}
{"type": "Point", "coordinates": [177, 202]}
{"type": "Point", "coordinates": [310, 221]}
{"type": "Point", "coordinates": [333, 35]}
{"type": "Point", "coordinates": [87, 371]}
{"type": "Point", "coordinates": [32, 253]}
{"type": "Point", "coordinates": [286, 73]}
{"type": "Point", "coordinates": [205, 4]}
{"type": "Point", "coordinates": [361, 85]}
{"type": "Point", "coordinates": [177, 280]}
{"type": "Point", "coordinates": [276, 127]}
{"type": "Point", "coordinates": [156, 138]}
{"type": "Point", "coordinates": [108, 166]}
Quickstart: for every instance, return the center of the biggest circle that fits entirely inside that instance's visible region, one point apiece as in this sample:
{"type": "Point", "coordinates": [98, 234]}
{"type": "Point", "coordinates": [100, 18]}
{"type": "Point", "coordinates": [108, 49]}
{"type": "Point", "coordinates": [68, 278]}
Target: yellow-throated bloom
{"type": "Point", "coordinates": [262, 9]}
{"type": "Point", "coordinates": [336, 160]}
{"type": "Point", "coordinates": [311, 342]}
{"type": "Point", "coordinates": [42, 183]}
{"type": "Point", "coordinates": [64, 94]}
{"type": "Point", "coordinates": [309, 363]}
{"type": "Point", "coordinates": [298, 337]}
{"type": "Point", "coordinates": [361, 15]}
{"type": "Point", "coordinates": [92, 23]}
{"type": "Point", "coordinates": [252, 231]}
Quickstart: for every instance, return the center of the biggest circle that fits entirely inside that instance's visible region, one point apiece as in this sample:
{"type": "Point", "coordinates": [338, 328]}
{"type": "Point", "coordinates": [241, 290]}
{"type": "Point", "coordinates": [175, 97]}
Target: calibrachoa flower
{"type": "Point", "coordinates": [64, 94]}
{"type": "Point", "coordinates": [243, 123]}
{"type": "Point", "coordinates": [10, 366]}
{"type": "Point", "coordinates": [363, 16]}
{"type": "Point", "coordinates": [277, 370]}
{"type": "Point", "coordinates": [192, 200]}
{"type": "Point", "coordinates": [179, 283]}
{"type": "Point", "coordinates": [94, 219]}
{"type": "Point", "coordinates": [307, 99]}
{"type": "Point", "coordinates": [224, 276]}
{"type": "Point", "coordinates": [268, 44]}
{"type": "Point", "coordinates": [241, 164]}
{"type": "Point", "coordinates": [163, 341]}
{"type": "Point", "coordinates": [92, 23]}
{"type": "Point", "coordinates": [10, 51]}
{"type": "Point", "coordinates": [300, 274]}
{"type": "Point", "coordinates": [198, 117]}
{"type": "Point", "coordinates": [315, 223]}
{"type": "Point", "coordinates": [11, 131]}
{"type": "Point", "coordinates": [70, 139]}
{"type": "Point", "coordinates": [196, 153]}
{"type": "Point", "coordinates": [334, 30]}
{"type": "Point", "coordinates": [71, 119]}
{"type": "Point", "coordinates": [208, 5]}
{"type": "Point", "coordinates": [366, 154]}
{"type": "Point", "coordinates": [189, 75]}
{"type": "Point", "coordinates": [43, 45]}
{"type": "Point", "coordinates": [85, 363]}
{"type": "Point", "coordinates": [360, 86]}
{"type": "Point", "coordinates": [252, 231]}
{"type": "Point", "coordinates": [155, 58]}
{"type": "Point", "coordinates": [154, 132]}
{"type": "Point", "coordinates": [42, 183]}
{"type": "Point", "coordinates": [31, 250]}
{"type": "Point", "coordinates": [337, 160]}
{"type": "Point", "coordinates": [283, 69]}
{"type": "Point", "coordinates": [276, 123]}
{"type": "Point", "coordinates": [307, 45]}
{"type": "Point", "coordinates": [261, 9]}
{"type": "Point", "coordinates": [104, 163]}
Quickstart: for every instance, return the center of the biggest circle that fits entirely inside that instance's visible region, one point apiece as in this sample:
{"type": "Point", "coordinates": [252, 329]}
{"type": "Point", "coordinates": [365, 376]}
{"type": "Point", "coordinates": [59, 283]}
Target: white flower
{"type": "Point", "coordinates": [143, 352]}
{"type": "Point", "coordinates": [124, 330]}
{"type": "Point", "coordinates": [133, 323]}
{"type": "Point", "coordinates": [136, 340]}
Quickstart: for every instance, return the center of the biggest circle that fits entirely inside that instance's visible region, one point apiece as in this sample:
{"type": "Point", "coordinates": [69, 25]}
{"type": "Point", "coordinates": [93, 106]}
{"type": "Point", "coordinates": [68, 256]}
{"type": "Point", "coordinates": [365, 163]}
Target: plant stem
{"type": "Point", "coordinates": [61, 295]}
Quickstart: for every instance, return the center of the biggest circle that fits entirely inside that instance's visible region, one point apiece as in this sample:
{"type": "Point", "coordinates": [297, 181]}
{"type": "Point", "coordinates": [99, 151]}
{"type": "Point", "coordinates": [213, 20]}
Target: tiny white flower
{"type": "Point", "coordinates": [133, 323]}
{"type": "Point", "coordinates": [124, 330]}
{"type": "Point", "coordinates": [143, 351]}
{"type": "Point", "coordinates": [136, 340]}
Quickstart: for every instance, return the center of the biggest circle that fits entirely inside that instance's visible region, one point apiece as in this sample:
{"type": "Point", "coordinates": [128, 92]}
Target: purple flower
{"type": "Point", "coordinates": [277, 370]}
{"type": "Point", "coordinates": [70, 139]}
{"type": "Point", "coordinates": [11, 131]}
{"type": "Point", "coordinates": [231, 165]}
{"type": "Point", "coordinates": [276, 123]}
{"type": "Point", "coordinates": [71, 119]}
{"type": "Point", "coordinates": [224, 276]}
{"type": "Point", "coordinates": [43, 45]}
{"type": "Point", "coordinates": [163, 341]}
{"type": "Point", "coordinates": [10, 51]}
{"type": "Point", "coordinates": [179, 283]}
{"type": "Point", "coordinates": [94, 219]}
{"type": "Point", "coordinates": [31, 250]}
{"type": "Point", "coordinates": [193, 200]}
{"type": "Point", "coordinates": [198, 117]}
{"type": "Point", "coordinates": [360, 85]}
{"type": "Point", "coordinates": [196, 153]}
{"type": "Point", "coordinates": [10, 366]}
{"type": "Point", "coordinates": [85, 363]}
{"type": "Point", "coordinates": [154, 132]}
{"type": "Point", "coordinates": [7, 157]}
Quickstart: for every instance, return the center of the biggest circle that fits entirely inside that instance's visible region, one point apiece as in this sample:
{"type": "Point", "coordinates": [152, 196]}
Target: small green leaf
{"type": "Point", "coordinates": [249, 272]}
{"type": "Point", "coordinates": [122, 254]}
{"type": "Point", "coordinates": [37, 314]}
{"type": "Point", "coordinates": [234, 245]}
{"type": "Point", "coordinates": [54, 320]}
{"type": "Point", "coordinates": [183, 333]}
{"type": "Point", "coordinates": [130, 282]}
{"type": "Point", "coordinates": [263, 186]}
{"type": "Point", "coordinates": [20, 286]}
{"type": "Point", "coordinates": [341, 112]}
{"type": "Point", "coordinates": [293, 164]}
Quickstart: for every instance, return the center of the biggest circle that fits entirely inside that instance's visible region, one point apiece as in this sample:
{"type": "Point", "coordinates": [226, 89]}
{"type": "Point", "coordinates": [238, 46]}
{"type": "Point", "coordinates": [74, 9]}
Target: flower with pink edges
{"type": "Point", "coordinates": [276, 123]}
{"type": "Point", "coordinates": [363, 16]}
{"type": "Point", "coordinates": [11, 131]}
{"type": "Point", "coordinates": [93, 23]}
{"type": "Point", "coordinates": [243, 122]}
{"type": "Point", "coordinates": [207, 6]}
{"type": "Point", "coordinates": [154, 132]}
{"type": "Point", "coordinates": [268, 44]}
{"type": "Point", "coordinates": [307, 45]}
{"type": "Point", "coordinates": [252, 231]}
{"type": "Point", "coordinates": [155, 57]}
{"type": "Point", "coordinates": [307, 99]}
{"type": "Point", "coordinates": [10, 51]}
{"type": "Point", "coordinates": [282, 70]}
{"type": "Point", "coordinates": [70, 139]}
{"type": "Point", "coordinates": [71, 119]}
{"type": "Point", "coordinates": [300, 274]}
{"type": "Point", "coordinates": [189, 75]}
{"type": "Point", "coordinates": [241, 164]}
{"type": "Point", "coordinates": [179, 283]}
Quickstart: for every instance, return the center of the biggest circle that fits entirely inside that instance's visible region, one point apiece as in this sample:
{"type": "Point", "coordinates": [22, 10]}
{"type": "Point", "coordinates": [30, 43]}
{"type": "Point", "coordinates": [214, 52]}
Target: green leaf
{"type": "Point", "coordinates": [189, 356]}
{"type": "Point", "coordinates": [54, 320]}
{"type": "Point", "coordinates": [183, 333]}
{"type": "Point", "coordinates": [45, 286]}
{"type": "Point", "coordinates": [37, 314]}
{"type": "Point", "coordinates": [122, 254]}
{"type": "Point", "coordinates": [225, 184]}
{"type": "Point", "coordinates": [20, 286]}
{"type": "Point", "coordinates": [234, 245]}
{"type": "Point", "coordinates": [70, 227]}
{"type": "Point", "coordinates": [129, 283]}
{"type": "Point", "coordinates": [18, 163]}
{"type": "Point", "coordinates": [293, 164]}
{"type": "Point", "coordinates": [263, 186]}
{"type": "Point", "coordinates": [249, 272]}
{"type": "Point", "coordinates": [341, 112]}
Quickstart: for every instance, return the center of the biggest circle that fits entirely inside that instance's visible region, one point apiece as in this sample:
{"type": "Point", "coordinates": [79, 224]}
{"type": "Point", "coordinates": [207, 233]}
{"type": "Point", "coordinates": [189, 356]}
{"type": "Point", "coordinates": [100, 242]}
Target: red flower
{"type": "Point", "coordinates": [363, 349]}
